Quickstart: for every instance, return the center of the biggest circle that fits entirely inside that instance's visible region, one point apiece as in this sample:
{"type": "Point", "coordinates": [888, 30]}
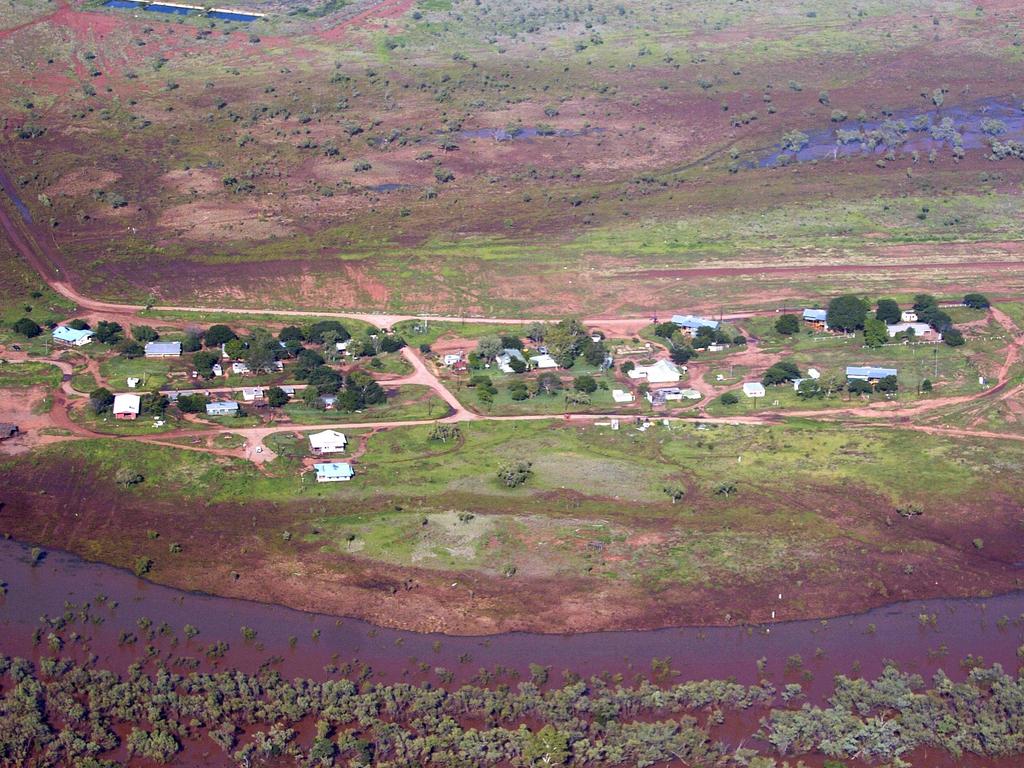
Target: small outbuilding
{"type": "Point", "coordinates": [543, 362]}
{"type": "Point", "coordinates": [253, 394]}
{"type": "Point", "coordinates": [753, 389]}
{"type": "Point", "coordinates": [816, 317]}
{"type": "Point", "coordinates": [690, 324]}
{"type": "Point", "coordinates": [622, 396]}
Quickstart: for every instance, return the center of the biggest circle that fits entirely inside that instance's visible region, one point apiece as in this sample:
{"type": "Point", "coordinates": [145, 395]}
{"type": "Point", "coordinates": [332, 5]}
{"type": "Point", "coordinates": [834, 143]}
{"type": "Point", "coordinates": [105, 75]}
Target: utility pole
{"type": "Point", "coordinates": [935, 351]}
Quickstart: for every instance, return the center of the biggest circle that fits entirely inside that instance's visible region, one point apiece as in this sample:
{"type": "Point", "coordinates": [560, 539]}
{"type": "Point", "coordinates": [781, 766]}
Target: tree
{"type": "Point", "coordinates": [126, 476]}
{"type": "Point", "coordinates": [809, 389]}
{"type": "Point", "coordinates": [923, 301]}
{"type": "Point", "coordinates": [108, 333]}
{"type": "Point", "coordinates": [627, 366]}
{"type": "Point", "coordinates": [291, 333]}
{"type": "Point", "coordinates": [594, 352]}
{"type": "Point", "coordinates": [203, 362]}
{"type": "Point", "coordinates": [515, 473]}
{"type": "Point", "coordinates": [887, 384]}
{"type": "Point", "coordinates": [876, 332]}
{"type": "Point", "coordinates": [192, 403]}
{"type": "Point", "coordinates": [535, 331]}
{"type": "Point", "coordinates": [547, 747]}
{"type": "Point", "coordinates": [315, 332]}
{"type": "Point", "coordinates": [489, 347]}
{"type": "Point", "coordinates": [235, 349]}
{"type": "Point", "coordinates": [27, 327]}
{"type": "Point", "coordinates": [193, 342]}
{"type": "Point", "coordinates": [511, 342]}
{"type": "Point", "coordinates": [101, 400]}
{"type": "Point", "coordinates": [311, 397]}
{"type": "Point", "coordinates": [926, 385]}
{"type": "Point", "coordinates": [144, 333]}
{"type": "Point", "coordinates": [78, 324]}
{"type": "Point", "coordinates": [517, 365]}
{"type": "Point", "coordinates": [276, 397]}
{"type": "Point", "coordinates": [131, 350]}
{"type": "Point", "coordinates": [858, 387]}
{"type": "Point", "coordinates": [787, 324]}
{"type": "Point", "coordinates": [218, 334]}
{"type": "Point", "coordinates": [846, 313]}
{"type": "Point", "coordinates": [888, 311]}
{"type": "Point", "coordinates": [728, 398]}
{"type": "Point", "coordinates": [681, 355]}
{"type": "Point", "coordinates": [780, 373]}
{"type": "Point", "coordinates": [977, 301]}
{"type": "Point", "coordinates": [953, 337]}
{"type": "Point", "coordinates": [584, 383]}
{"type": "Point", "coordinates": [153, 404]}
{"type": "Point", "coordinates": [674, 492]}
{"type": "Point", "coordinates": [666, 329]}
{"type": "Point", "coordinates": [936, 318]}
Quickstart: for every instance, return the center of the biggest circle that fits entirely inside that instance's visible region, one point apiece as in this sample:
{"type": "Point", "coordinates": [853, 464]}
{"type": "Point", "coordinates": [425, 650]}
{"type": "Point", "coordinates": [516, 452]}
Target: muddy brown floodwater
{"type": "Point", "coordinates": [919, 636]}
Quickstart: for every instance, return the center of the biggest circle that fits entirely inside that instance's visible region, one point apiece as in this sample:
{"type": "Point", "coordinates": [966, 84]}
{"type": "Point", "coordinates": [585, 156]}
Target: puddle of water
{"type": "Point", "coordinates": [970, 127]}
{"type": "Point", "coordinates": [500, 134]}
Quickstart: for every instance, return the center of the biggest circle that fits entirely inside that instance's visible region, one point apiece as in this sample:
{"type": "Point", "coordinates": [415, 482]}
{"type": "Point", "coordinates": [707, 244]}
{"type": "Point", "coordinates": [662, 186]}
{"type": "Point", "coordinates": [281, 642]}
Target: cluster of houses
{"type": "Point", "coordinates": [330, 441]}
{"type": "Point", "coordinates": [79, 337]}
{"type": "Point", "coordinates": [818, 319]}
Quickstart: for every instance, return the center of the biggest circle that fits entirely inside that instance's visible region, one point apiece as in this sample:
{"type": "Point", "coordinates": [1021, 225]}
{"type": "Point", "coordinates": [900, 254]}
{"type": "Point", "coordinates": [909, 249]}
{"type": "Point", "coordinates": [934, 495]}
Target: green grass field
{"type": "Point", "coordinates": [31, 374]}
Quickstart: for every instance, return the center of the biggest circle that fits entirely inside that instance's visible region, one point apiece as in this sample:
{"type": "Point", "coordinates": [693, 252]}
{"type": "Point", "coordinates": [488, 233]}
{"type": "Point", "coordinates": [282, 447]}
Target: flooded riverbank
{"type": "Point", "coordinates": [920, 637]}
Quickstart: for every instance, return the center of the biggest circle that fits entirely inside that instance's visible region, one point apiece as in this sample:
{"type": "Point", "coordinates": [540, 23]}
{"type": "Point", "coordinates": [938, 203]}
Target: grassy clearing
{"type": "Point", "coordinates": [31, 374]}
{"type": "Point", "coordinates": [413, 402]}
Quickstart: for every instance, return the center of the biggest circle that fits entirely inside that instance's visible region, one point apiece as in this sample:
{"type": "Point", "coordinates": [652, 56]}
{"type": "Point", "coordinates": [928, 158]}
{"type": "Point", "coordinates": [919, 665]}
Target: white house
{"type": "Point", "coordinates": [813, 373]}
{"type": "Point", "coordinates": [334, 472]}
{"type": "Point", "coordinates": [217, 370]}
{"type": "Point", "coordinates": [451, 359]}
{"type": "Point", "coordinates": [622, 396]}
{"type": "Point", "coordinates": [504, 360]}
{"type": "Point", "coordinates": [253, 394]}
{"type": "Point", "coordinates": [869, 372]}
{"type": "Point", "coordinates": [543, 361]}
{"type": "Point", "coordinates": [127, 407]}
{"type": "Point", "coordinates": [133, 382]}
{"type": "Point", "coordinates": [72, 336]}
{"type": "Point", "coordinates": [753, 389]}
{"type": "Point", "coordinates": [921, 330]}
{"type": "Point", "coordinates": [239, 368]}
{"type": "Point", "coordinates": [662, 372]}
{"type": "Point", "coordinates": [327, 441]}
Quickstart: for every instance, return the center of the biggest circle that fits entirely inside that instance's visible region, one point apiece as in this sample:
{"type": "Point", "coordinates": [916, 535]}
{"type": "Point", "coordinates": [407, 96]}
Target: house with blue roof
{"type": "Point", "coordinates": [690, 324]}
{"type": "Point", "coordinates": [222, 408]}
{"type": "Point", "coordinates": [72, 337]}
{"type": "Point", "coordinates": [163, 349]}
{"type": "Point", "coordinates": [869, 372]}
{"type": "Point", "coordinates": [333, 472]}
{"type": "Point", "coordinates": [817, 317]}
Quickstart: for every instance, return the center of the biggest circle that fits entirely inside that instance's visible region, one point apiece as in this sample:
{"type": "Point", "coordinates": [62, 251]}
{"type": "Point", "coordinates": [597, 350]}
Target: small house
{"type": "Point", "coordinates": [327, 441]}
{"type": "Point", "coordinates": [217, 370]}
{"type": "Point", "coordinates": [753, 389]}
{"type": "Point", "coordinates": [133, 382]}
{"type": "Point", "coordinates": [288, 390]}
{"type": "Point", "coordinates": [690, 324]}
{"type": "Point", "coordinates": [253, 394]}
{"type": "Point", "coordinates": [335, 472]}
{"type": "Point", "coordinates": [8, 430]}
{"type": "Point", "coordinates": [240, 368]}
{"type": "Point", "coordinates": [921, 331]}
{"type": "Point", "coordinates": [908, 316]}
{"type": "Point", "coordinates": [813, 373]}
{"type": "Point", "coordinates": [543, 362]}
{"type": "Point", "coordinates": [869, 373]}
{"type": "Point", "coordinates": [72, 337]}
{"type": "Point", "coordinates": [163, 349]}
{"type": "Point", "coordinates": [661, 372]}
{"type": "Point", "coordinates": [622, 396]}
{"type": "Point", "coordinates": [127, 407]}
{"type": "Point", "coordinates": [504, 360]}
{"type": "Point", "coordinates": [818, 318]}
{"type": "Point", "coordinates": [664, 395]}
{"type": "Point", "coordinates": [451, 359]}
{"type": "Point", "coordinates": [342, 346]}
{"type": "Point", "coordinates": [222, 408]}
